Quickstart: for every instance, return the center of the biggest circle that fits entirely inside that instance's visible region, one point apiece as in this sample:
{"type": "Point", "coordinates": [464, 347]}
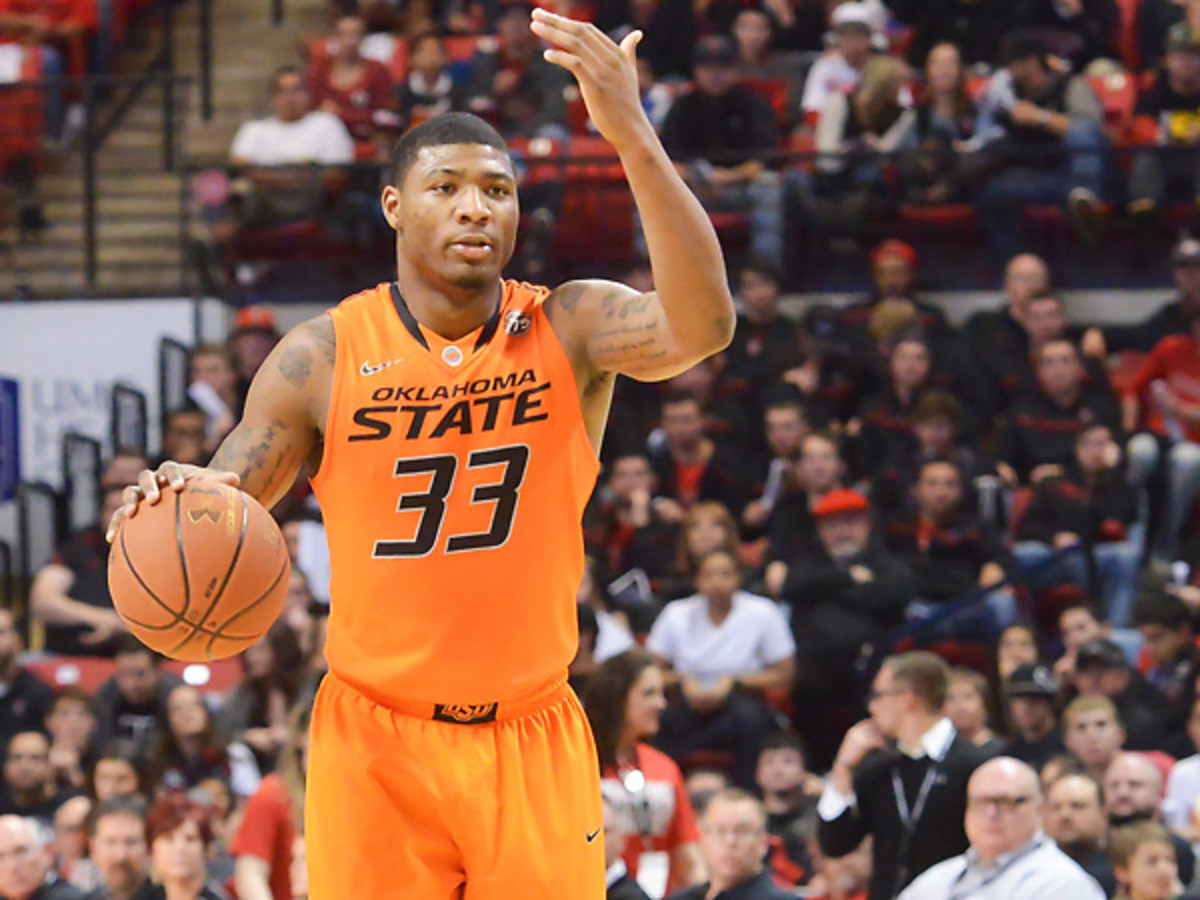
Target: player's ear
{"type": "Point", "coordinates": [390, 201]}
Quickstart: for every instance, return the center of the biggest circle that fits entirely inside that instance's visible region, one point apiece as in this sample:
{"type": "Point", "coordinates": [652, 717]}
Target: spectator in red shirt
{"type": "Point", "coordinates": [270, 833]}
{"type": "Point", "coordinates": [690, 465]}
{"type": "Point", "coordinates": [353, 88]}
{"type": "Point", "coordinates": [1165, 396]}
{"type": "Point", "coordinates": [624, 701]}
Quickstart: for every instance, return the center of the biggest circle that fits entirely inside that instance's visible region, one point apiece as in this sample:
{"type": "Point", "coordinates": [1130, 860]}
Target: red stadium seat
{"type": "Point", "coordinates": [775, 91]}
{"type": "Point", "coordinates": [596, 223]}
{"type": "Point", "coordinates": [460, 48]}
{"type": "Point", "coordinates": [1127, 37]}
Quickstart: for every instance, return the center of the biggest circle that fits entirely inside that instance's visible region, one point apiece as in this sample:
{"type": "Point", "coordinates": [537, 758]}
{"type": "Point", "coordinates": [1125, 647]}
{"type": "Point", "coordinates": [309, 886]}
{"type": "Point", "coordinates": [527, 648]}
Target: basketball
{"type": "Point", "coordinates": [201, 574]}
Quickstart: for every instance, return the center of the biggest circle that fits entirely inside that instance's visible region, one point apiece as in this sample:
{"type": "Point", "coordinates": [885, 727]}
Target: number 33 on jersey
{"type": "Point", "coordinates": [452, 484]}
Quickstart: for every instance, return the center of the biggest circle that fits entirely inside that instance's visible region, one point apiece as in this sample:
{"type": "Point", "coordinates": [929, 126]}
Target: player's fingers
{"type": "Point", "coordinates": [629, 44]}
{"type": "Point", "coordinates": [119, 516]}
{"type": "Point", "coordinates": [568, 61]}
{"type": "Point", "coordinates": [148, 483]}
{"type": "Point", "coordinates": [170, 474]}
{"type": "Point", "coordinates": [580, 38]}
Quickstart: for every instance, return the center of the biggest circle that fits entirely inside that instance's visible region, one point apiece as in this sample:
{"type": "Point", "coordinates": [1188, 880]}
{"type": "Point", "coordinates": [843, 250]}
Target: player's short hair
{"type": "Point", "coordinates": [783, 740]}
{"type": "Point", "coordinates": [448, 128]}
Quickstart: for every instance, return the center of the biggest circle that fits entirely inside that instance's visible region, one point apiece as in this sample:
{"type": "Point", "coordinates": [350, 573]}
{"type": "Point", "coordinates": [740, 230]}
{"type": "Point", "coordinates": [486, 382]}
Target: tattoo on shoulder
{"type": "Point", "coordinates": [324, 338]}
{"type": "Point", "coordinates": [295, 364]}
{"type": "Point", "coordinates": [568, 296]}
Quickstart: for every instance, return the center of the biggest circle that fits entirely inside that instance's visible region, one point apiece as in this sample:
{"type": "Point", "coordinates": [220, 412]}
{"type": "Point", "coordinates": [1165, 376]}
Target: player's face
{"type": "Point", "coordinates": [645, 703]}
{"type": "Point", "coordinates": [455, 215]}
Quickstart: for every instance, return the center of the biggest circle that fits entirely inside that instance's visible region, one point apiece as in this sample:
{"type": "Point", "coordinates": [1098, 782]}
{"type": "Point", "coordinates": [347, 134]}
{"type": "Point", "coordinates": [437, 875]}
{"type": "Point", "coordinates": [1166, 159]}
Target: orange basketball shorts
{"type": "Point", "coordinates": [403, 806]}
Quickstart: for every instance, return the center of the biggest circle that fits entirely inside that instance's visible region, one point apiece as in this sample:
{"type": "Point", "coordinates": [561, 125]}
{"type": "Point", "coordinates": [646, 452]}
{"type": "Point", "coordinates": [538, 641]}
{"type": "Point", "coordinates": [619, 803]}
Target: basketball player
{"type": "Point", "coordinates": [453, 421]}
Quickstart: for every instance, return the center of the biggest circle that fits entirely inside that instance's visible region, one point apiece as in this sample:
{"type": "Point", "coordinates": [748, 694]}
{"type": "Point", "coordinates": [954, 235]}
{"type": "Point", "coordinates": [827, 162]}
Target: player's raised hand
{"type": "Point", "coordinates": [607, 73]}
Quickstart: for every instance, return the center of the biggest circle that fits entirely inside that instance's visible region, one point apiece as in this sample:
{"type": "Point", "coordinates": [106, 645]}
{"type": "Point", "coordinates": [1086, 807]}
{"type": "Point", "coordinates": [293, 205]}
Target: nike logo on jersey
{"type": "Point", "coordinates": [592, 835]}
{"type": "Point", "coordinates": [368, 369]}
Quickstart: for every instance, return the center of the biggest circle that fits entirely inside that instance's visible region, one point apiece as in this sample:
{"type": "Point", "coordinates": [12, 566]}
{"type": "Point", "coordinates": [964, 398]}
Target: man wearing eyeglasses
{"type": "Point", "coordinates": [1009, 857]}
{"type": "Point", "coordinates": [901, 776]}
{"type": "Point", "coordinates": [734, 840]}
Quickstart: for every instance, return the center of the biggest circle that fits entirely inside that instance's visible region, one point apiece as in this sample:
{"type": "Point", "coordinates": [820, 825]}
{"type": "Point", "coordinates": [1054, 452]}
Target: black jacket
{"type": "Point", "coordinates": [834, 614]}
{"type": "Point", "coordinates": [758, 888]}
{"type": "Point", "coordinates": [946, 562]}
{"type": "Point", "coordinates": [625, 888]}
{"type": "Point", "coordinates": [1100, 511]}
{"type": "Point", "coordinates": [940, 828]}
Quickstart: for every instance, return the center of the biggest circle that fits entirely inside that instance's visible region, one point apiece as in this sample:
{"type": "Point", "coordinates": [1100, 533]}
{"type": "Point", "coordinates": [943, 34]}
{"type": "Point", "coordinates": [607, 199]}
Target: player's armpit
{"type": "Point", "coordinates": [609, 327]}
{"type": "Point", "coordinates": [285, 411]}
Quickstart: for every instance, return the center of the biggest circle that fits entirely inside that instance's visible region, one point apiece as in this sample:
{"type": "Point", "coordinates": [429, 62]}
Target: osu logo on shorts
{"type": "Point", "coordinates": [465, 714]}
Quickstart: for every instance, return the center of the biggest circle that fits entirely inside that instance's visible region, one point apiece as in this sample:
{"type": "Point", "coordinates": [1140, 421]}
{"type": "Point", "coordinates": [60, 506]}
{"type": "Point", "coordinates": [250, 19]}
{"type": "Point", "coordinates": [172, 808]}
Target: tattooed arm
{"type": "Point", "coordinates": [612, 329]}
{"type": "Point", "coordinates": [280, 430]}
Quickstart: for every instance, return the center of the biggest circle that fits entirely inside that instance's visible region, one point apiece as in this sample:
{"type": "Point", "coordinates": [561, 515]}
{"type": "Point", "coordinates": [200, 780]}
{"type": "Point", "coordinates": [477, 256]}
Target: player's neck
{"type": "Point", "coordinates": [444, 309]}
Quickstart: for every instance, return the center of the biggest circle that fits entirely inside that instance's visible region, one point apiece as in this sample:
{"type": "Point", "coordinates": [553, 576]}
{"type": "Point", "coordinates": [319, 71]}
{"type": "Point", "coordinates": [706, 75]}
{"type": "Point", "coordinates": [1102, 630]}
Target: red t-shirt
{"type": "Point", "coordinates": [55, 12]}
{"type": "Point", "coordinates": [1176, 361]}
{"type": "Point", "coordinates": [658, 818]}
{"type": "Point", "coordinates": [267, 833]}
{"type": "Point", "coordinates": [355, 105]}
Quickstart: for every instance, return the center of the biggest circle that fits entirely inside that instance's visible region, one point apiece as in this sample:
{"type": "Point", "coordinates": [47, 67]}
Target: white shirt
{"type": "Point", "coordinates": [319, 137]}
{"type": "Point", "coordinates": [753, 636]}
{"type": "Point", "coordinates": [935, 743]}
{"type": "Point", "coordinates": [1037, 871]}
{"type": "Point", "coordinates": [612, 637]}
{"type": "Point", "coordinates": [1183, 788]}
{"type": "Point", "coordinates": [830, 74]}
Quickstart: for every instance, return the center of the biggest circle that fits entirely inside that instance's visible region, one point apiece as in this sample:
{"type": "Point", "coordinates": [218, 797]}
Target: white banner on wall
{"type": "Point", "coordinates": [66, 355]}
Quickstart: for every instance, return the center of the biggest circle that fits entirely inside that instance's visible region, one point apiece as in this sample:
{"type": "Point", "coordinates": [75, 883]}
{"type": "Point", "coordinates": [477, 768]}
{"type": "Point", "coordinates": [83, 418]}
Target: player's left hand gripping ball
{"type": "Point", "coordinates": [607, 73]}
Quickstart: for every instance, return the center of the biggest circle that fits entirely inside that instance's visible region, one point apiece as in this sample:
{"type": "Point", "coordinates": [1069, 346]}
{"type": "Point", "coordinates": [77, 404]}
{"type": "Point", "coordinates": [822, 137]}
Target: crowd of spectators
{"type": "Point", "coordinates": [790, 119]}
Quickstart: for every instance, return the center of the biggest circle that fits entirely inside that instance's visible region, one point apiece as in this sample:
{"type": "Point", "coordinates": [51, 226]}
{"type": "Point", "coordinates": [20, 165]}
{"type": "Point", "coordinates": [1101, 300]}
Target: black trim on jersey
{"type": "Point", "coordinates": [410, 321]}
{"type": "Point", "coordinates": [406, 316]}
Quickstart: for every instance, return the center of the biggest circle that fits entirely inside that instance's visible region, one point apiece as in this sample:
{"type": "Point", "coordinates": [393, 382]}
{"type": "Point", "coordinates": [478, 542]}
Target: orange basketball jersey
{"type": "Point", "coordinates": [453, 484]}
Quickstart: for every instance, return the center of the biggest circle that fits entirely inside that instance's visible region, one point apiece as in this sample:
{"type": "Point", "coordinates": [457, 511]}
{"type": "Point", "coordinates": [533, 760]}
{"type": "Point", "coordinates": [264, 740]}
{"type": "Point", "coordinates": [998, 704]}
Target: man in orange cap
{"type": "Point", "coordinates": [849, 593]}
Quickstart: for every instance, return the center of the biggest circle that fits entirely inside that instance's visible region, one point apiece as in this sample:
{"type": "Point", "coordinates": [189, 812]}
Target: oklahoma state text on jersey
{"type": "Point", "coordinates": [453, 484]}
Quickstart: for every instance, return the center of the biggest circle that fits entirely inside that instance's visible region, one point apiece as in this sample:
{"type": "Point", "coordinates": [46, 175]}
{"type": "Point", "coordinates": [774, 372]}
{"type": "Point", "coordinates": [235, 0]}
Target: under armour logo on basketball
{"type": "Point", "coordinates": [207, 513]}
{"type": "Point", "coordinates": [466, 713]}
{"type": "Point", "coordinates": [516, 322]}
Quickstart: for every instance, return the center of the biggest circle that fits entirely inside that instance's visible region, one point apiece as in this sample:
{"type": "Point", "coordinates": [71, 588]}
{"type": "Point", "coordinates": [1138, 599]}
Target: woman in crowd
{"type": "Point", "coordinates": [117, 770]}
{"type": "Point", "coordinates": [255, 712]}
{"type": "Point", "coordinates": [189, 751]}
{"type": "Point", "coordinates": [853, 132]}
{"type": "Point", "coordinates": [352, 87]}
{"type": "Point", "coordinates": [969, 707]}
{"type": "Point", "coordinates": [930, 168]}
{"type": "Point", "coordinates": [624, 700]}
{"type": "Point", "coordinates": [726, 648]}
{"type": "Point", "coordinates": [707, 526]}
{"type": "Point", "coordinates": [179, 835]}
{"type": "Point", "coordinates": [270, 838]}
{"type": "Point", "coordinates": [1143, 860]}
{"type": "Point", "coordinates": [72, 725]}
{"type": "Point", "coordinates": [1016, 647]}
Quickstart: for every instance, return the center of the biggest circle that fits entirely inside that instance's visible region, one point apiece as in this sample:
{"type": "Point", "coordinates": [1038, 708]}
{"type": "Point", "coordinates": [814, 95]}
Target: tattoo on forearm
{"type": "Point", "coordinates": [295, 364]}
{"type": "Point", "coordinates": [257, 456]}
